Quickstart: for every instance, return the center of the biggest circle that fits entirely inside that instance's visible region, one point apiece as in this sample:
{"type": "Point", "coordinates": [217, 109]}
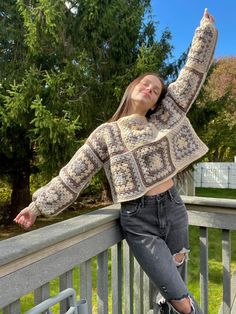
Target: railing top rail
{"type": "Point", "coordinates": [30, 242]}
{"type": "Point", "coordinates": [211, 212]}
{"type": "Point", "coordinates": [34, 241]}
{"type": "Point", "coordinates": [210, 201]}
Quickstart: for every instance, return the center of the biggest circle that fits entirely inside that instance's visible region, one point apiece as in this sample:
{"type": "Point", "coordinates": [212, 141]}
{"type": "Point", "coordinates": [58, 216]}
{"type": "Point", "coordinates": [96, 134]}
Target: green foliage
{"type": "Point", "coordinates": [95, 46]}
{"type": "Point", "coordinates": [64, 68]}
{"type": "Point", "coordinates": [48, 132]}
{"type": "Point", "coordinates": [213, 114]}
{"type": "Point", "coordinates": [5, 192]}
{"type": "Point", "coordinates": [59, 132]}
{"type": "Point", "coordinates": [43, 20]}
{"type": "Point", "coordinates": [13, 51]}
{"type": "Point", "coordinates": [152, 58]}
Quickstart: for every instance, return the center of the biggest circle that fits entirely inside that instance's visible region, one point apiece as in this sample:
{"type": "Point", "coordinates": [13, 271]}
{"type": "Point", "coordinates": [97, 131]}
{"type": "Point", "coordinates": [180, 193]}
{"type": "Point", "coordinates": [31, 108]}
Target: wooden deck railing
{"type": "Point", "coordinates": [29, 262]}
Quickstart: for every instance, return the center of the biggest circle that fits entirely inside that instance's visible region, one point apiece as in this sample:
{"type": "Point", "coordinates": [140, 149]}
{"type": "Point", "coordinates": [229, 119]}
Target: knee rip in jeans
{"type": "Point", "coordinates": [180, 257]}
{"type": "Point", "coordinates": [186, 307]}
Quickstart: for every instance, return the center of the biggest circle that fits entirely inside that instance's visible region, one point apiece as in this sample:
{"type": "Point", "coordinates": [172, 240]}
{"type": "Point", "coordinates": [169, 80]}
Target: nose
{"type": "Point", "coordinates": [149, 88]}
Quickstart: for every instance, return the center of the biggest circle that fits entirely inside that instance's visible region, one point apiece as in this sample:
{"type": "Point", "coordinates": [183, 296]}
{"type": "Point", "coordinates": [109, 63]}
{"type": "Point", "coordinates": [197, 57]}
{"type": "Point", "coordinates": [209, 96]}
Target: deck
{"type": "Point", "coordinates": [30, 261]}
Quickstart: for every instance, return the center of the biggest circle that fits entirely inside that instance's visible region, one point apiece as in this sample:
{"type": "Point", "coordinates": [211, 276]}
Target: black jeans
{"type": "Point", "coordinates": [156, 228]}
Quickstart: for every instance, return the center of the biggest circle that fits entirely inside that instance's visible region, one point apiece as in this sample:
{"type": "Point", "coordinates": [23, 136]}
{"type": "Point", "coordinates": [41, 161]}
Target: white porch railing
{"type": "Point", "coordinates": [30, 261]}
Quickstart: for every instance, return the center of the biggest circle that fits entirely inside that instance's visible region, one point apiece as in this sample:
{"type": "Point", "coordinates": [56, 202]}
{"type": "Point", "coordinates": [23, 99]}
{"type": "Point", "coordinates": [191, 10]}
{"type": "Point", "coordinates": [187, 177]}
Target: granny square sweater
{"type": "Point", "coordinates": [138, 153]}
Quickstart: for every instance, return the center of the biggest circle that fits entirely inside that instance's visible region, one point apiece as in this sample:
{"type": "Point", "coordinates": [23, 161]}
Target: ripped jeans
{"type": "Point", "coordinates": [156, 229]}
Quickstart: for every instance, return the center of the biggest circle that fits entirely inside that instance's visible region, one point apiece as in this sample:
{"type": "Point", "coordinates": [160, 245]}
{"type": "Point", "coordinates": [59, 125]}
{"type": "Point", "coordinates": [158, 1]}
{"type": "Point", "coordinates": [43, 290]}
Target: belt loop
{"type": "Point", "coordinates": [142, 201]}
{"type": "Point", "coordinates": [170, 194]}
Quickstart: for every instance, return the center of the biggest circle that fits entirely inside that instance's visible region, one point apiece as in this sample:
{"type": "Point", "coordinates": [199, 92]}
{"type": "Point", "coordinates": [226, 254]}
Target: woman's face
{"type": "Point", "coordinates": [145, 94]}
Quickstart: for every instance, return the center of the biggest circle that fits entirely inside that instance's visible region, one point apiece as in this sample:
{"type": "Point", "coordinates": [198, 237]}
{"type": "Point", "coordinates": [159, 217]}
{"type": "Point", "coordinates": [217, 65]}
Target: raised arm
{"type": "Point", "coordinates": [186, 88]}
{"type": "Point", "coordinates": [63, 190]}
{"type": "Point", "coordinates": [182, 93]}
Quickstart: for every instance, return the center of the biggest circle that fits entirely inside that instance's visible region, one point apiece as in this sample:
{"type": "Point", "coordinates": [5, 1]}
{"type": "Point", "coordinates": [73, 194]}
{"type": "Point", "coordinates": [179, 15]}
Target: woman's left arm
{"type": "Point", "coordinates": [182, 93]}
{"type": "Point", "coordinates": [187, 86]}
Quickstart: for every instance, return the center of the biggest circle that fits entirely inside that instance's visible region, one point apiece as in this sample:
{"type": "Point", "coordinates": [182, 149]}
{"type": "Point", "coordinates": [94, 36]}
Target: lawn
{"type": "Point", "coordinates": [214, 192]}
{"type": "Point", "coordinates": [215, 266]}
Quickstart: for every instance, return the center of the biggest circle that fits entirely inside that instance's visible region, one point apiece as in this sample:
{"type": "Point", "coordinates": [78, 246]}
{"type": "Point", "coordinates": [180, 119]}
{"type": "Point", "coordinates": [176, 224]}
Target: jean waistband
{"type": "Point", "coordinates": [149, 199]}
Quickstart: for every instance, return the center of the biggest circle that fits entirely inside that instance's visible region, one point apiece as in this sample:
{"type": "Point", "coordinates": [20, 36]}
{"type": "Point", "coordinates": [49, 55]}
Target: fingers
{"type": "Point", "coordinates": [23, 212]}
{"type": "Point", "coordinates": [23, 223]}
{"type": "Point", "coordinates": [18, 217]}
{"type": "Point", "coordinates": [25, 218]}
{"type": "Point", "coordinates": [208, 16]}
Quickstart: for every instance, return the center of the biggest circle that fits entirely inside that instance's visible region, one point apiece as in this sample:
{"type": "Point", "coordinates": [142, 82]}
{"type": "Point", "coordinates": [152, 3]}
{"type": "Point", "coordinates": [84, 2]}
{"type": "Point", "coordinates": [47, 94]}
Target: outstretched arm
{"type": "Point", "coordinates": [63, 190]}
{"type": "Point", "coordinates": [186, 88]}
{"type": "Point", "coordinates": [182, 93]}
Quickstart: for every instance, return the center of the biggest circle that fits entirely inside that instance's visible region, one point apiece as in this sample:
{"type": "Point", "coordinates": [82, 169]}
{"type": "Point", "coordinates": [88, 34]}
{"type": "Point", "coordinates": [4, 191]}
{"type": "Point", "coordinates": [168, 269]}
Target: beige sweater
{"type": "Point", "coordinates": [138, 153]}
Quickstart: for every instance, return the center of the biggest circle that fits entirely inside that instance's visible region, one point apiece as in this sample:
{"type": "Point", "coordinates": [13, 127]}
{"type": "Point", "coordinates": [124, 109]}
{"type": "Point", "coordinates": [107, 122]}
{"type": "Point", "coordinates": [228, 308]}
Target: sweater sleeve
{"type": "Point", "coordinates": [182, 93]}
{"type": "Point", "coordinates": [63, 190]}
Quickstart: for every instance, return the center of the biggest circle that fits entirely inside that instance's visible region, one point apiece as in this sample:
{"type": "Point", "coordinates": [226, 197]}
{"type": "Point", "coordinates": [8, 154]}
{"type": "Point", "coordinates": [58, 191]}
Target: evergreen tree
{"type": "Point", "coordinates": [64, 66]}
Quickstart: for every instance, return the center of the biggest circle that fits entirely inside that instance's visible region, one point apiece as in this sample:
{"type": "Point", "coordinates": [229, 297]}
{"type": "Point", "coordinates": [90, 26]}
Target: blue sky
{"type": "Point", "coordinates": [182, 17]}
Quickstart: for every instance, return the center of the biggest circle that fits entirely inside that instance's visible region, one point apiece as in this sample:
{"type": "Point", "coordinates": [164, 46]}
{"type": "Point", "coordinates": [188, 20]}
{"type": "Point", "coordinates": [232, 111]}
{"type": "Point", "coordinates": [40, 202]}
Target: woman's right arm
{"type": "Point", "coordinates": [64, 189]}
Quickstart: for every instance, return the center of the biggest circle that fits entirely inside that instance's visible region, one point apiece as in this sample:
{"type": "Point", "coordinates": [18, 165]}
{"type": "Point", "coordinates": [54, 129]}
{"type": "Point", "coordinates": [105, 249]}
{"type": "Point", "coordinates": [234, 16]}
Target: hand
{"type": "Point", "coordinates": [208, 16]}
{"type": "Point", "coordinates": [25, 218]}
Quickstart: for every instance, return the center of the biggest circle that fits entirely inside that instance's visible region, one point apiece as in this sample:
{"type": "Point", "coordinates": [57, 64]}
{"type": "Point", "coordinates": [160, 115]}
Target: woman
{"type": "Point", "coordinates": [147, 141]}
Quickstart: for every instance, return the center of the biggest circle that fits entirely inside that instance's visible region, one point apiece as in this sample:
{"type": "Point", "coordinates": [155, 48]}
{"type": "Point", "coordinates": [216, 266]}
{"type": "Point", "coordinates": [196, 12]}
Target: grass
{"type": "Point", "coordinates": [214, 264]}
{"type": "Point", "coordinates": [215, 258]}
{"type": "Point", "coordinates": [215, 192]}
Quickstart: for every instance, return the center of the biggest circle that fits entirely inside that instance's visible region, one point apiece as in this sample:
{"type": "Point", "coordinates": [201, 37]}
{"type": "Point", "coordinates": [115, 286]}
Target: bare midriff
{"type": "Point", "coordinates": [161, 187]}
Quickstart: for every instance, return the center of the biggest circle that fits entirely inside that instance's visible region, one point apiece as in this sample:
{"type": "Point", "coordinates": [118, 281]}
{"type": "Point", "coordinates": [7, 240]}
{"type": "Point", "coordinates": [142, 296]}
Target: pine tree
{"type": "Point", "coordinates": [64, 66]}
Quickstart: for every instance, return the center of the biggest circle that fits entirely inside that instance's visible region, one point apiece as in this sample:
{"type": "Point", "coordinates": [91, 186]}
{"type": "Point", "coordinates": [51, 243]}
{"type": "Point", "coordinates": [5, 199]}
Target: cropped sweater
{"type": "Point", "coordinates": [138, 153]}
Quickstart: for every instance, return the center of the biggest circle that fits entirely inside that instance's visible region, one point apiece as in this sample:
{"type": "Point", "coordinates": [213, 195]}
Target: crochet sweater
{"type": "Point", "coordinates": [138, 153]}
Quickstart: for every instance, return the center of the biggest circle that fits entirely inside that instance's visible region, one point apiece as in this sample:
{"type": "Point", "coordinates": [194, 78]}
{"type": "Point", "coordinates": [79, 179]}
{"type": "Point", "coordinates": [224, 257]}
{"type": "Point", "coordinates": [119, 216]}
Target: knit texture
{"type": "Point", "coordinates": [138, 153]}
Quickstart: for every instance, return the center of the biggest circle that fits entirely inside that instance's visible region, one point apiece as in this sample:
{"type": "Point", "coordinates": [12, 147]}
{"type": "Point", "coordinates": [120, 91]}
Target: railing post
{"type": "Point", "coordinates": [12, 308]}
{"type": "Point", "coordinates": [226, 259]}
{"type": "Point", "coordinates": [42, 293]}
{"type": "Point", "coordinates": [102, 282]}
{"type": "Point", "coordinates": [116, 264]}
{"type": "Point", "coordinates": [66, 281]}
{"type": "Point", "coordinates": [128, 278]}
{"type": "Point", "coordinates": [86, 283]}
{"type": "Point", "coordinates": [148, 302]}
{"type": "Point", "coordinates": [138, 288]}
{"type": "Point", "coordinates": [204, 269]}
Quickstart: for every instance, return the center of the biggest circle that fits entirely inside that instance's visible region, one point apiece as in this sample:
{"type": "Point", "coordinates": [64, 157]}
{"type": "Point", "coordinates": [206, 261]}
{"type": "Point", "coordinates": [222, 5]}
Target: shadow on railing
{"type": "Point", "coordinates": [29, 262]}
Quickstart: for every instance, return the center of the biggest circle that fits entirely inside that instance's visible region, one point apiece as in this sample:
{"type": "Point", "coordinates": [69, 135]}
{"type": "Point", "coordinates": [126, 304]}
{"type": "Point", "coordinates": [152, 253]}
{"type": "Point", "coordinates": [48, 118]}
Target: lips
{"type": "Point", "coordinates": [146, 94]}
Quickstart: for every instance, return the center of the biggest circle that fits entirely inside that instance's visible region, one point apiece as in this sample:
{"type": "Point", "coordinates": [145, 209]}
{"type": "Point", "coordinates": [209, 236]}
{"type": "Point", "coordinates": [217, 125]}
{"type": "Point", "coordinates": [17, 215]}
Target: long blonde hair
{"type": "Point", "coordinates": [125, 103]}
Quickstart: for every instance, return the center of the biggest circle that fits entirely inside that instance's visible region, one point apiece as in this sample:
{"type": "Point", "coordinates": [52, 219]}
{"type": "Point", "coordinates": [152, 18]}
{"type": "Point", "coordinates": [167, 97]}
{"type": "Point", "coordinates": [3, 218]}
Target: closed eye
{"type": "Point", "coordinates": [147, 83]}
